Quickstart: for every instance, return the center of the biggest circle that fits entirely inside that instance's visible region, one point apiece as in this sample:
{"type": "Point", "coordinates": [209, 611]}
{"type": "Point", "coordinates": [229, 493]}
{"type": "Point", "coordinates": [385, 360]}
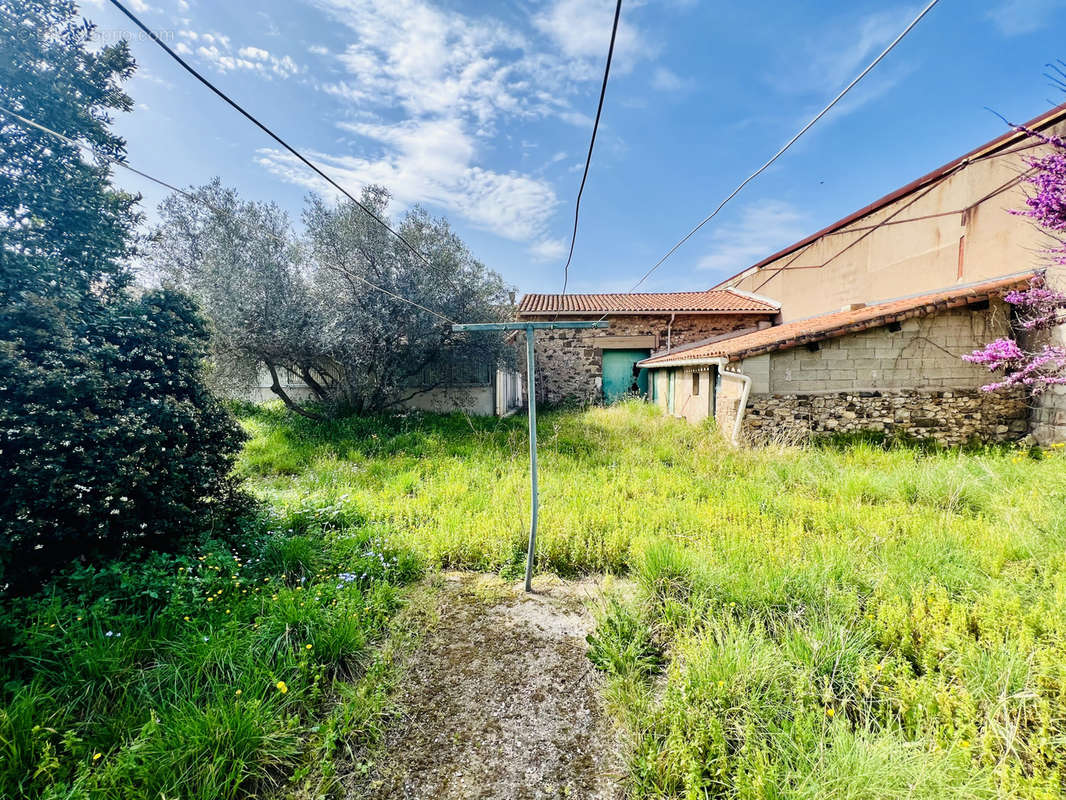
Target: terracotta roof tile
{"type": "Point", "coordinates": [712, 302]}
{"type": "Point", "coordinates": [839, 323]}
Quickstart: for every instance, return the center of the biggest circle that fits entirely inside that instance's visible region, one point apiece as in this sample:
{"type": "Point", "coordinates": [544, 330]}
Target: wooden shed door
{"type": "Point", "coordinates": [619, 376]}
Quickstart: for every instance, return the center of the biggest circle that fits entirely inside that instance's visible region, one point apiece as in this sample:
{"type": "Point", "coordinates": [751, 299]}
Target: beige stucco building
{"type": "Point", "coordinates": [951, 226]}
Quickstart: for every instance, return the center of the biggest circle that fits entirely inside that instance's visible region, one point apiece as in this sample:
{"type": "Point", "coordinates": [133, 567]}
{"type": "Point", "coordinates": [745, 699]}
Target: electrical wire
{"type": "Point", "coordinates": [247, 115]}
{"type": "Point", "coordinates": [592, 143]}
{"type": "Point", "coordinates": [869, 230]}
{"type": "Point", "coordinates": [188, 195]}
{"type": "Point", "coordinates": [787, 146]}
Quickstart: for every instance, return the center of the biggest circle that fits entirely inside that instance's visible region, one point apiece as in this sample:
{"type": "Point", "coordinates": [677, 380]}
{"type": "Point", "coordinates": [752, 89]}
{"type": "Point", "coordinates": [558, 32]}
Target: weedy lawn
{"type": "Point", "coordinates": [243, 669]}
{"type": "Point", "coordinates": [827, 622]}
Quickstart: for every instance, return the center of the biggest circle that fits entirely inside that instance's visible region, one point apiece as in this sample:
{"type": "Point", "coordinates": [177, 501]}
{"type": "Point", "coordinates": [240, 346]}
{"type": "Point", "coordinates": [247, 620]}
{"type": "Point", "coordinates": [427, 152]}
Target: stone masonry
{"type": "Point", "coordinates": [569, 362]}
{"type": "Point", "coordinates": [949, 416]}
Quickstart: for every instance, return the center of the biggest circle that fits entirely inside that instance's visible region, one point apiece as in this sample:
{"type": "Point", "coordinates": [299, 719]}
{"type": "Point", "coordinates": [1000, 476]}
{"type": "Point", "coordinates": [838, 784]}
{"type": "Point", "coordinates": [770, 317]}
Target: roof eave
{"type": "Point", "coordinates": [924, 309]}
{"type": "Point", "coordinates": [624, 313]}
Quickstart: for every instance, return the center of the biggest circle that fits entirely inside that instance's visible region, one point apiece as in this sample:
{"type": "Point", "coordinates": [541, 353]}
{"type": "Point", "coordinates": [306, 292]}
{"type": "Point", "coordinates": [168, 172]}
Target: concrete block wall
{"type": "Point", "coordinates": [925, 353]}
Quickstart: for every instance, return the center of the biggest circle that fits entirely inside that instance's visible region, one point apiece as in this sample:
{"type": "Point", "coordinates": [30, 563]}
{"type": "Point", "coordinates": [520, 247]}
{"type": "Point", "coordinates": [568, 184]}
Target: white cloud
{"type": "Point", "coordinates": [842, 51]}
{"type": "Point", "coordinates": [763, 229]}
{"type": "Point", "coordinates": [410, 53]}
{"type": "Point", "coordinates": [1017, 17]}
{"type": "Point", "coordinates": [582, 28]}
{"type": "Point", "coordinates": [453, 79]}
{"type": "Point", "coordinates": [549, 249]}
{"type": "Point", "coordinates": [254, 53]}
{"type": "Point", "coordinates": [830, 60]}
{"type": "Point", "coordinates": [217, 50]}
{"type": "Point", "coordinates": [433, 162]}
{"type": "Point", "coordinates": [664, 80]}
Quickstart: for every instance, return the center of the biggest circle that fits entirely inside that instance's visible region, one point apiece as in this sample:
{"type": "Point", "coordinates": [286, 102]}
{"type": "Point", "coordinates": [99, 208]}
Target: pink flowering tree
{"type": "Point", "coordinates": [1037, 309]}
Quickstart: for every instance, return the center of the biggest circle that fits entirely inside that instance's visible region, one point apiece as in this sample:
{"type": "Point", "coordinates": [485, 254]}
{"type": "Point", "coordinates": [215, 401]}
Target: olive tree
{"type": "Point", "coordinates": [343, 304]}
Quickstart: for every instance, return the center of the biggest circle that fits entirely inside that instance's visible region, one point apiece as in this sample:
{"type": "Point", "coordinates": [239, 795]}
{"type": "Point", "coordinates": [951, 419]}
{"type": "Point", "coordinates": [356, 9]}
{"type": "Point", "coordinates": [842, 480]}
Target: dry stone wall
{"type": "Point", "coordinates": [949, 416]}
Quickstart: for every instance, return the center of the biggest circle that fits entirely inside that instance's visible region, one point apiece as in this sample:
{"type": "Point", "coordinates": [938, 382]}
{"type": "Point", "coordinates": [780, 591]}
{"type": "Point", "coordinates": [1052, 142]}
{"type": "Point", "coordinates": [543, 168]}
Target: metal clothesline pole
{"type": "Point", "coordinates": [530, 329]}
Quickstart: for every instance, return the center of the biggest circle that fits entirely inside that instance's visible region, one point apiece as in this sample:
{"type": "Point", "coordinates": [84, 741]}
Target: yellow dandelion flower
{"type": "Point", "coordinates": [96, 756]}
{"type": "Point", "coordinates": [227, 610]}
{"type": "Point", "coordinates": [281, 687]}
{"type": "Point", "coordinates": [829, 712]}
{"type": "Point", "coordinates": [307, 647]}
{"type": "Point", "coordinates": [186, 619]}
{"type": "Point", "coordinates": [238, 693]}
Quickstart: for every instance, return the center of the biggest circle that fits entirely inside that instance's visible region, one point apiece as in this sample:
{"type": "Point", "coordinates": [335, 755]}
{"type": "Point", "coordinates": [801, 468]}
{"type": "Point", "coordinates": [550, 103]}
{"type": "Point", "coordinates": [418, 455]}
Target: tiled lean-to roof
{"type": "Point", "coordinates": [839, 323]}
{"type": "Point", "coordinates": [718, 301]}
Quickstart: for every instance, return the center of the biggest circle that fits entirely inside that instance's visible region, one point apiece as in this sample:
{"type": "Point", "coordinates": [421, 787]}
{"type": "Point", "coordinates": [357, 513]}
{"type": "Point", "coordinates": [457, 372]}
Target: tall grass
{"type": "Point", "coordinates": [841, 621]}
{"type": "Point", "coordinates": [206, 676]}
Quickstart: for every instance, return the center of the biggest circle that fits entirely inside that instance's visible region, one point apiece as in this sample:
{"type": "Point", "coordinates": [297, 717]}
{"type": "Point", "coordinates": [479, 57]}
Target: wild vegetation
{"type": "Point", "coordinates": [324, 303]}
{"type": "Point", "coordinates": [109, 438]}
{"type": "Point", "coordinates": [850, 620]}
{"type": "Point", "coordinates": [244, 668]}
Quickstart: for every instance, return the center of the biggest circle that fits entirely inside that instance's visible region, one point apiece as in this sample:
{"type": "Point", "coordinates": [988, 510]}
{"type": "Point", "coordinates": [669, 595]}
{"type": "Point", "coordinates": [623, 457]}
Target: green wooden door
{"type": "Point", "coordinates": [619, 376]}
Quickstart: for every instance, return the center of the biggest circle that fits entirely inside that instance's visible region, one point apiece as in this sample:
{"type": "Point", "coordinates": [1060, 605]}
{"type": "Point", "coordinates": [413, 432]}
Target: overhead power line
{"type": "Point", "coordinates": [592, 143]}
{"type": "Point", "coordinates": [788, 144]}
{"type": "Point", "coordinates": [221, 212]}
{"type": "Point", "coordinates": [247, 115]}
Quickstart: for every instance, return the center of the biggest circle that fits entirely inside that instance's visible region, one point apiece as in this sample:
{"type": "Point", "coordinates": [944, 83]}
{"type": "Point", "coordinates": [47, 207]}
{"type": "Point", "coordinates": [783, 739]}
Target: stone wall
{"type": "Point", "coordinates": [570, 365]}
{"type": "Point", "coordinates": [1049, 412]}
{"type": "Point", "coordinates": [950, 416]}
{"type": "Point", "coordinates": [911, 380]}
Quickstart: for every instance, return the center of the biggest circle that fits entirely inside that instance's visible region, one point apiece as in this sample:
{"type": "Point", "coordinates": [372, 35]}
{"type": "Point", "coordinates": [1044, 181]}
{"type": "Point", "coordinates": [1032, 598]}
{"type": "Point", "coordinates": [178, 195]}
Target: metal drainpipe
{"type": "Point", "coordinates": [669, 328]}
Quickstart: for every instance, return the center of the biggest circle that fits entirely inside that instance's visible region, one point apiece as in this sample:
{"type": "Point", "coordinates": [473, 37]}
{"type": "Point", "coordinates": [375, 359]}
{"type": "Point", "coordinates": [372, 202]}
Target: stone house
{"type": "Point", "coordinates": [589, 366]}
{"type": "Point", "coordinates": [894, 366]}
{"type": "Point", "coordinates": [950, 227]}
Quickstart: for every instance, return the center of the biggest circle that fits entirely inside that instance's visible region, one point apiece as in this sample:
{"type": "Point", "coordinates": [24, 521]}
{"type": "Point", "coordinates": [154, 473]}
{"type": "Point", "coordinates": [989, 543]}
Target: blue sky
{"type": "Point", "coordinates": [482, 113]}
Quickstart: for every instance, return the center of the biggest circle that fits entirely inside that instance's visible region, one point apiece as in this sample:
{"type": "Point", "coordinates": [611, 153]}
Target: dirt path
{"type": "Point", "coordinates": [500, 701]}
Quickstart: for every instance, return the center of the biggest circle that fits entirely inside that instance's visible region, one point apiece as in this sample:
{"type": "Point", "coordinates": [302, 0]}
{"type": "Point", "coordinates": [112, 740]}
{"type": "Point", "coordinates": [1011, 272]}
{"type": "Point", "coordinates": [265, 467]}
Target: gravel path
{"type": "Point", "coordinates": [500, 701]}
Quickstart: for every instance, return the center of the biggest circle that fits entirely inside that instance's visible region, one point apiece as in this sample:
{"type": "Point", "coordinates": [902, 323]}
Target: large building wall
{"type": "Point", "coordinates": [570, 362]}
{"type": "Point", "coordinates": [953, 236]}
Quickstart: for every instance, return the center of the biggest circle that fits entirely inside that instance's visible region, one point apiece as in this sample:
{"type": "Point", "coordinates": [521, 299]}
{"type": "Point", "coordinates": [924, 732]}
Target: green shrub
{"type": "Point", "coordinates": [109, 439]}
